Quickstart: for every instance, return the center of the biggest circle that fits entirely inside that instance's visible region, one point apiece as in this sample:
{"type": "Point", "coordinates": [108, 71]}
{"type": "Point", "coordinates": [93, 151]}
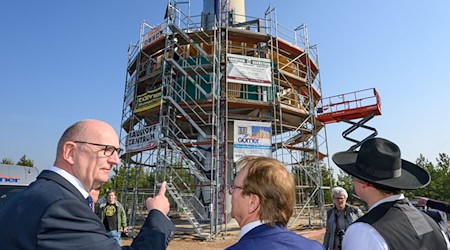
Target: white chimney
{"type": "Point", "coordinates": [235, 9]}
{"type": "Point", "coordinates": [238, 8]}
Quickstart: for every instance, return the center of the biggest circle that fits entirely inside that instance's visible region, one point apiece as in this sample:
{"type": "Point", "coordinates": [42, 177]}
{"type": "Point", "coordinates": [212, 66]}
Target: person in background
{"type": "Point", "coordinates": [437, 210]}
{"type": "Point", "coordinates": [339, 218]}
{"type": "Point", "coordinates": [113, 217]}
{"type": "Point", "coordinates": [439, 205]}
{"type": "Point", "coordinates": [55, 208]}
{"type": "Point", "coordinates": [263, 199]}
{"type": "Point", "coordinates": [379, 174]}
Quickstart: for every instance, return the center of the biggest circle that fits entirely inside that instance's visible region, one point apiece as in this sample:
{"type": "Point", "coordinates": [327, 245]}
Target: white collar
{"type": "Point", "coordinates": [72, 179]}
{"type": "Point", "coordinates": [247, 227]}
{"type": "Point", "coordinates": [388, 199]}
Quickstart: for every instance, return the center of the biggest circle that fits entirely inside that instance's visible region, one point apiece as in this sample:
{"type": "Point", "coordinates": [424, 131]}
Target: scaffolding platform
{"type": "Point", "coordinates": [349, 106]}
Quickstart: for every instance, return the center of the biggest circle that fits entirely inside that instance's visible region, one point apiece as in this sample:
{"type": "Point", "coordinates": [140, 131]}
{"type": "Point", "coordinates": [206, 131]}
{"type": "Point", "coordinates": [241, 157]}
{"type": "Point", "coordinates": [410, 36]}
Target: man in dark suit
{"type": "Point", "coordinates": [52, 213]}
{"type": "Point", "coordinates": [263, 199]}
{"type": "Point", "coordinates": [436, 204]}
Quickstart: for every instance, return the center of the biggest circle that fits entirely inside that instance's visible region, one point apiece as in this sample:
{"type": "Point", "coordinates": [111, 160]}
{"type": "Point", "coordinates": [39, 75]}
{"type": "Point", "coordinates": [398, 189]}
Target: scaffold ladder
{"type": "Point", "coordinates": [180, 200]}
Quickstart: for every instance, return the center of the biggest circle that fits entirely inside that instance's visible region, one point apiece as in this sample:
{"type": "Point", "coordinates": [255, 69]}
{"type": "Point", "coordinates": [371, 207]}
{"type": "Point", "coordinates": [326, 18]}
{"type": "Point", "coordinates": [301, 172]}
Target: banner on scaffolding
{"type": "Point", "coordinates": [153, 34]}
{"type": "Point", "coordinates": [149, 100]}
{"type": "Point", "coordinates": [142, 139]}
{"type": "Point", "coordinates": [129, 90]}
{"type": "Point", "coordinates": [249, 70]}
{"type": "Point", "coordinates": [252, 138]}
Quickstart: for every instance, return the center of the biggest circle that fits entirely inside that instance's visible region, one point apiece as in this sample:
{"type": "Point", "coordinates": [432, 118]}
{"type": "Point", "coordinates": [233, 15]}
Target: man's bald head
{"type": "Point", "coordinates": [81, 152]}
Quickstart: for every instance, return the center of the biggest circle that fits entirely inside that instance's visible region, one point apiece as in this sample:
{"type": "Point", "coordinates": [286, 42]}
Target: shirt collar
{"type": "Point", "coordinates": [72, 179]}
{"type": "Point", "coordinates": [388, 199]}
{"type": "Point", "coordinates": [245, 229]}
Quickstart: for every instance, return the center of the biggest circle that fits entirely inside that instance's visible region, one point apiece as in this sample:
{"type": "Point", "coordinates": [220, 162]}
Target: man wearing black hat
{"type": "Point", "coordinates": [379, 174]}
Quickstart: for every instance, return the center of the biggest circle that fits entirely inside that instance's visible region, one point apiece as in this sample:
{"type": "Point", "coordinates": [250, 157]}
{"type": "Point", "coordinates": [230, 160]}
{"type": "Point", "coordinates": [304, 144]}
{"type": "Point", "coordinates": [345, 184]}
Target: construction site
{"type": "Point", "coordinates": [204, 90]}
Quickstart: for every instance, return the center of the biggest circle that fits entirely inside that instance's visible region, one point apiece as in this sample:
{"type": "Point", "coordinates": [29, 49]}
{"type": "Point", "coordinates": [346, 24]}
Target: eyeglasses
{"type": "Point", "coordinates": [108, 150]}
{"type": "Point", "coordinates": [231, 188]}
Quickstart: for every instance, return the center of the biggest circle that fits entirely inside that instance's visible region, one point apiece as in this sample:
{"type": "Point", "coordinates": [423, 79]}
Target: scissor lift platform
{"type": "Point", "coordinates": [349, 106]}
{"type": "Point", "coordinates": [364, 104]}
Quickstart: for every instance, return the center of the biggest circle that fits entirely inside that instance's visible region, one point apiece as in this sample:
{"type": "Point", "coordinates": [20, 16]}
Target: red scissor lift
{"type": "Point", "coordinates": [364, 104]}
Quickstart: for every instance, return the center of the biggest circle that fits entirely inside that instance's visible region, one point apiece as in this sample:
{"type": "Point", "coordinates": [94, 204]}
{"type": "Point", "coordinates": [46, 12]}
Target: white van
{"type": "Point", "coordinates": [14, 179]}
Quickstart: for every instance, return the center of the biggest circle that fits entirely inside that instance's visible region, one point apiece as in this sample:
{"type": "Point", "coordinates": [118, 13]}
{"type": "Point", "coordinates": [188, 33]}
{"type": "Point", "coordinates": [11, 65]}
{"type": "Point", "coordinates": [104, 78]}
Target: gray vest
{"type": "Point", "coordinates": [404, 227]}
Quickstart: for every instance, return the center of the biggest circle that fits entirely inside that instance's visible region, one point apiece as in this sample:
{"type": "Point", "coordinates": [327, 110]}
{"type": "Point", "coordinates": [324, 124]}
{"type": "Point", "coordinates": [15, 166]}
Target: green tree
{"type": "Point", "coordinates": [133, 177]}
{"type": "Point", "coordinates": [327, 181]}
{"type": "Point", "coordinates": [25, 162]}
{"type": "Point", "coordinates": [443, 168]}
{"type": "Point", "coordinates": [7, 161]}
{"type": "Point", "coordinates": [440, 177]}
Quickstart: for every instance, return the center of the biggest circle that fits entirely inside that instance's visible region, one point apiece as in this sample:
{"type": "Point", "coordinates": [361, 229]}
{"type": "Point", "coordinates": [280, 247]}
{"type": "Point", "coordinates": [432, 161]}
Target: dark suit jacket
{"type": "Point", "coordinates": [272, 238]}
{"type": "Point", "coordinates": [52, 214]}
{"type": "Point", "coordinates": [439, 205]}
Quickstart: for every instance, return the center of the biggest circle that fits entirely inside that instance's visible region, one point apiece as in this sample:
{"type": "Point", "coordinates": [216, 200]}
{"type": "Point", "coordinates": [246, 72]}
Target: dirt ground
{"type": "Point", "coordinates": [185, 240]}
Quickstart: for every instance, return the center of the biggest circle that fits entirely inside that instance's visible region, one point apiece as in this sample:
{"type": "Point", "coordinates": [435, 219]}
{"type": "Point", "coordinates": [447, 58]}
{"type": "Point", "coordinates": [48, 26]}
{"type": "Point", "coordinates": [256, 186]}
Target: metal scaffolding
{"type": "Point", "coordinates": [182, 103]}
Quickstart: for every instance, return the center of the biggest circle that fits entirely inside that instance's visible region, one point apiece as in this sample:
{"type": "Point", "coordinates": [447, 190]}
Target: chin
{"type": "Point", "coordinates": [103, 179]}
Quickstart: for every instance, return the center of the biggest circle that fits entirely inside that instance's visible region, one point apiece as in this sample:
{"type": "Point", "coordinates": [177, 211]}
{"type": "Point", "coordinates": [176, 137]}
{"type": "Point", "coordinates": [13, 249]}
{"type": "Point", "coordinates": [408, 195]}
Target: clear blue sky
{"type": "Point", "coordinates": [63, 61]}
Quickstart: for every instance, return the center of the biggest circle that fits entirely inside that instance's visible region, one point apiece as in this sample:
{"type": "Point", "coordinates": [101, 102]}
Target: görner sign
{"type": "Point", "coordinates": [252, 138]}
{"type": "Point", "coordinates": [248, 140]}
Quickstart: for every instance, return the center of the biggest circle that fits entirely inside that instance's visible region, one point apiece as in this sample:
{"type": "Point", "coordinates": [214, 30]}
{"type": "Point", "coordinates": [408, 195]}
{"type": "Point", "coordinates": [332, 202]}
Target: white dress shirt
{"type": "Point", "coordinates": [245, 229]}
{"type": "Point", "coordinates": [72, 179]}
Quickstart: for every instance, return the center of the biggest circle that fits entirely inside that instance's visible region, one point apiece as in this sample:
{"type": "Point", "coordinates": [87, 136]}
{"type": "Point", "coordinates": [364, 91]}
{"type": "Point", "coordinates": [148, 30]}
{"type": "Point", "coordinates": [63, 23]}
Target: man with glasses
{"type": "Point", "coordinates": [263, 199]}
{"type": "Point", "coordinates": [54, 213]}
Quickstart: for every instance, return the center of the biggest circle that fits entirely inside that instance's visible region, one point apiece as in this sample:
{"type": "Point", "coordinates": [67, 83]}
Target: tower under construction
{"type": "Point", "coordinates": [204, 90]}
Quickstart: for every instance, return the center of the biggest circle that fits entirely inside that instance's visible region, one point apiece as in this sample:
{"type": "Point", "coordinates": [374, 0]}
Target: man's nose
{"type": "Point", "coordinates": [114, 158]}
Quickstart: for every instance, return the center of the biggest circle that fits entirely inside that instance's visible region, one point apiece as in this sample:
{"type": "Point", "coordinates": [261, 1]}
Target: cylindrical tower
{"type": "Point", "coordinates": [199, 96]}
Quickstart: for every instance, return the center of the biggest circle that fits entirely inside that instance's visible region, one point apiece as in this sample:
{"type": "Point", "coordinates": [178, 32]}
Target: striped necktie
{"type": "Point", "coordinates": [90, 202]}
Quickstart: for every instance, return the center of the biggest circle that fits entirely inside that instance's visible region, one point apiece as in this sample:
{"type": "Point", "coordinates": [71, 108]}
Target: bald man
{"type": "Point", "coordinates": [54, 213]}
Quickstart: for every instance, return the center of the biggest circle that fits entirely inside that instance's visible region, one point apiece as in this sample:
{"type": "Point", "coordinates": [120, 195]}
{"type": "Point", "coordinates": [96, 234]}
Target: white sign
{"type": "Point", "coordinates": [252, 138]}
{"type": "Point", "coordinates": [142, 139]}
{"type": "Point", "coordinates": [249, 70]}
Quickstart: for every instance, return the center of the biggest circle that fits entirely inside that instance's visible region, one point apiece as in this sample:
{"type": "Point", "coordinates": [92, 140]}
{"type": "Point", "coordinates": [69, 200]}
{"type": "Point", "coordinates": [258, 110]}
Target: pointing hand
{"type": "Point", "coordinates": [160, 201]}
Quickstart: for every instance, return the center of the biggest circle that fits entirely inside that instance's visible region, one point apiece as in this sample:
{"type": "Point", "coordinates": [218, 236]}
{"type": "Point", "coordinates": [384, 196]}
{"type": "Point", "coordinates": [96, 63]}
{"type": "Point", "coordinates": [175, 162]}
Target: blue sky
{"type": "Point", "coordinates": [63, 61]}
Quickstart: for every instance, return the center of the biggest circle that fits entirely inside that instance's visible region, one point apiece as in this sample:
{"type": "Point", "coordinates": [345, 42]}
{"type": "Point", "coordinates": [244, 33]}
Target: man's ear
{"type": "Point", "coordinates": [254, 203]}
{"type": "Point", "coordinates": [365, 184]}
{"type": "Point", "coordinates": [69, 152]}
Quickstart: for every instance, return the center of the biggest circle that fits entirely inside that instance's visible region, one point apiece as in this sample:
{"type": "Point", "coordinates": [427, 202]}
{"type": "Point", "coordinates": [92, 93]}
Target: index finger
{"type": "Point", "coordinates": [162, 189]}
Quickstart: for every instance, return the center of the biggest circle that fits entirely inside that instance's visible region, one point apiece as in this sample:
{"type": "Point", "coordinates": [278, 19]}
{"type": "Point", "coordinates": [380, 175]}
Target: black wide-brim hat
{"type": "Point", "coordinates": [379, 162]}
